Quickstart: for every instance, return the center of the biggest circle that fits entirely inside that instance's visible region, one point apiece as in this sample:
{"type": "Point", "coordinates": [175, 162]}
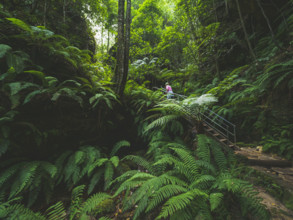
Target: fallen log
{"type": "Point", "coordinates": [268, 163]}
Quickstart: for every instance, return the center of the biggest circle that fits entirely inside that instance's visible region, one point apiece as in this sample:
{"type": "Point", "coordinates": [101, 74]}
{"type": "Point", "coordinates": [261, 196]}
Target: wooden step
{"type": "Point", "coordinates": [223, 140]}
{"type": "Point", "coordinates": [216, 134]}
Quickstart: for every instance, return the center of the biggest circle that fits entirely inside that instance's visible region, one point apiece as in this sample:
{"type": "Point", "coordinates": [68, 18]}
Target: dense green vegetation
{"type": "Point", "coordinates": [73, 146]}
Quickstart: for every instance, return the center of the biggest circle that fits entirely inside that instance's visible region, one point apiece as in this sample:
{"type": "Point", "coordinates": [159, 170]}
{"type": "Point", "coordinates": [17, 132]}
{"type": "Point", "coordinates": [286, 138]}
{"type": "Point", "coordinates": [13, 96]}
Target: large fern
{"type": "Point", "coordinates": [28, 178]}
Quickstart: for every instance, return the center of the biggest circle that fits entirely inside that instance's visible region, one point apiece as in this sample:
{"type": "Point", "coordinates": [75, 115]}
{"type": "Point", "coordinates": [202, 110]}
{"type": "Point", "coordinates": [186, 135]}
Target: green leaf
{"type": "Point", "coordinates": [118, 145]}
{"type": "Point", "coordinates": [31, 95]}
{"type": "Point", "coordinates": [215, 200]}
{"type": "Point", "coordinates": [4, 49]}
{"type": "Point", "coordinates": [115, 161]}
{"type": "Point", "coordinates": [36, 73]}
{"type": "Point", "coordinates": [16, 87]}
{"type": "Point", "coordinates": [20, 24]}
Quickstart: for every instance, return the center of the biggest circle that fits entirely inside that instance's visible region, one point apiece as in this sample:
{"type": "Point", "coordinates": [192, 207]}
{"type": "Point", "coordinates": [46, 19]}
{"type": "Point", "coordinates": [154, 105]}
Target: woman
{"type": "Point", "coordinates": [169, 91]}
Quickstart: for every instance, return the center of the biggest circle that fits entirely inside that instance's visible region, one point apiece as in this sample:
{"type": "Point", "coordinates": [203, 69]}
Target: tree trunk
{"type": "Point", "coordinates": [119, 69]}
{"type": "Point", "coordinates": [269, 25]}
{"type": "Point", "coordinates": [102, 42]}
{"type": "Point", "coordinates": [34, 6]}
{"type": "Point", "coordinates": [215, 45]}
{"type": "Point", "coordinates": [126, 48]}
{"type": "Point", "coordinates": [245, 32]}
{"type": "Point", "coordinates": [64, 11]}
{"type": "Point", "coordinates": [108, 42]}
{"type": "Point", "coordinates": [45, 13]}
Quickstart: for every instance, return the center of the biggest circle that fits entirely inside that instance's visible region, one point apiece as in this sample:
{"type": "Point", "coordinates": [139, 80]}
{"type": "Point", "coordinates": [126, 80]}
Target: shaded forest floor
{"type": "Point", "coordinates": [280, 173]}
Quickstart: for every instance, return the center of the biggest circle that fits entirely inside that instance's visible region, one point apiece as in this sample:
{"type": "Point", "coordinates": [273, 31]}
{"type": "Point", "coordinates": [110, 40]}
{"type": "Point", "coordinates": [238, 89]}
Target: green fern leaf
{"type": "Point", "coordinates": [93, 202]}
{"type": "Point", "coordinates": [215, 200]}
{"type": "Point", "coordinates": [94, 180]}
{"type": "Point", "coordinates": [139, 161]}
{"type": "Point", "coordinates": [25, 176]}
{"type": "Point", "coordinates": [79, 157]}
{"type": "Point", "coordinates": [115, 161]}
{"type": "Point", "coordinates": [118, 145]}
{"type": "Point", "coordinates": [56, 212]}
{"type": "Point", "coordinates": [161, 122]}
{"type": "Point", "coordinates": [20, 24]}
{"type": "Point", "coordinates": [4, 49]}
{"type": "Point", "coordinates": [179, 202]}
{"type": "Point", "coordinates": [31, 95]}
{"type": "Point", "coordinates": [109, 172]}
{"type": "Point", "coordinates": [164, 193]}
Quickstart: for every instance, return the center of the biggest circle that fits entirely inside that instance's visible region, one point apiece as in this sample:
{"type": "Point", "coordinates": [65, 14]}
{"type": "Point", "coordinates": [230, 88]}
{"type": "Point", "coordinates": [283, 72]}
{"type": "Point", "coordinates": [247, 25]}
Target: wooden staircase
{"type": "Point", "coordinates": [214, 125]}
{"type": "Point", "coordinates": [219, 137]}
{"type": "Point", "coordinates": [224, 132]}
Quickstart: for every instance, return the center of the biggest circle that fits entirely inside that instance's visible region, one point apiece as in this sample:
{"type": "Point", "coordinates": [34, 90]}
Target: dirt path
{"type": "Point", "coordinates": [282, 174]}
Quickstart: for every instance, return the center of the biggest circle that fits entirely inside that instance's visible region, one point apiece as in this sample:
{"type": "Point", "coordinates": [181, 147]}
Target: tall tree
{"type": "Point", "coordinates": [121, 69]}
{"type": "Point", "coordinates": [244, 31]}
{"type": "Point", "coordinates": [127, 43]}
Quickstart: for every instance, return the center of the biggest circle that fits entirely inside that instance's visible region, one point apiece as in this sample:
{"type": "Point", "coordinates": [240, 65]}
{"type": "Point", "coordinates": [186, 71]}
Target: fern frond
{"type": "Point", "coordinates": [7, 174]}
{"type": "Point", "coordinates": [203, 148]}
{"type": "Point", "coordinates": [125, 176]}
{"type": "Point", "coordinates": [56, 212]}
{"type": "Point", "coordinates": [219, 156]}
{"type": "Point", "coordinates": [93, 202]}
{"type": "Point", "coordinates": [134, 181]}
{"type": "Point", "coordinates": [204, 182]}
{"type": "Point", "coordinates": [161, 122]}
{"type": "Point", "coordinates": [164, 193]}
{"type": "Point", "coordinates": [140, 161]}
{"type": "Point", "coordinates": [141, 206]}
{"type": "Point", "coordinates": [19, 211]}
{"type": "Point", "coordinates": [50, 168]}
{"type": "Point", "coordinates": [25, 176]}
{"type": "Point", "coordinates": [115, 161]}
{"type": "Point", "coordinates": [77, 193]}
{"type": "Point", "coordinates": [109, 172]}
{"type": "Point", "coordinates": [79, 157]}
{"type": "Point", "coordinates": [188, 161]}
{"type": "Point", "coordinates": [179, 202]}
{"type": "Point", "coordinates": [118, 145]}
{"type": "Point", "coordinates": [215, 200]}
{"type": "Point", "coordinates": [94, 180]}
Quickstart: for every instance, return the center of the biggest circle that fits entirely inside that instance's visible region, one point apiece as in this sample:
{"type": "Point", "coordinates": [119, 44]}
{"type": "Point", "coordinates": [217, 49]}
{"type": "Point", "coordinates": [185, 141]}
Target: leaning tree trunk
{"type": "Point", "coordinates": [119, 69]}
{"type": "Point", "coordinates": [245, 32]}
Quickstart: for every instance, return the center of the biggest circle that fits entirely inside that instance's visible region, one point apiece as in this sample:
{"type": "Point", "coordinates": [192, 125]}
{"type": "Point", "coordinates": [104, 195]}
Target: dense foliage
{"type": "Point", "coordinates": [71, 148]}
